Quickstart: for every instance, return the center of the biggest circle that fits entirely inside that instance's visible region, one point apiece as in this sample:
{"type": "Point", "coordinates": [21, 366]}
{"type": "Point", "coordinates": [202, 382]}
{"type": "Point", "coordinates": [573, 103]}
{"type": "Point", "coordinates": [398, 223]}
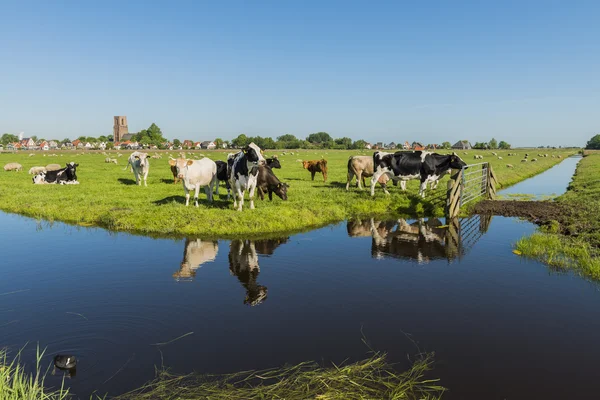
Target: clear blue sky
{"type": "Point", "coordinates": [525, 72]}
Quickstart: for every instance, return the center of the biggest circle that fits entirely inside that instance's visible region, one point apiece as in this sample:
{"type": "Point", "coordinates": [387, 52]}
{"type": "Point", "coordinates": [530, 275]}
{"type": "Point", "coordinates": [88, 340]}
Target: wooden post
{"type": "Point", "coordinates": [491, 183]}
{"type": "Point", "coordinates": [453, 195]}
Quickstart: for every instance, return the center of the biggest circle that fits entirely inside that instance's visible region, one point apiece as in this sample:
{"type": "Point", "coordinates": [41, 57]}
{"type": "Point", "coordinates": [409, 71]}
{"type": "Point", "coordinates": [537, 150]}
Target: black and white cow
{"type": "Point", "coordinates": [64, 176]}
{"type": "Point", "coordinates": [140, 165]}
{"type": "Point", "coordinates": [428, 167]}
{"type": "Point", "coordinates": [243, 173]}
{"type": "Point", "coordinates": [223, 176]}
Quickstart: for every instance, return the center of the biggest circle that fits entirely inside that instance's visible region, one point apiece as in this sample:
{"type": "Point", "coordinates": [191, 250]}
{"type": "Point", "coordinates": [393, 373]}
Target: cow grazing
{"type": "Point", "coordinates": [13, 166]}
{"type": "Point", "coordinates": [196, 253]}
{"type": "Point", "coordinates": [140, 164]}
{"type": "Point", "coordinates": [223, 176]}
{"type": "Point", "coordinates": [273, 162]}
{"type": "Point", "coordinates": [315, 166]}
{"type": "Point", "coordinates": [362, 167]}
{"type": "Point", "coordinates": [36, 170]}
{"type": "Point", "coordinates": [267, 182]}
{"type": "Point", "coordinates": [194, 174]}
{"type": "Point", "coordinates": [243, 173]}
{"type": "Point", "coordinates": [429, 167]}
{"type": "Point", "coordinates": [67, 175]}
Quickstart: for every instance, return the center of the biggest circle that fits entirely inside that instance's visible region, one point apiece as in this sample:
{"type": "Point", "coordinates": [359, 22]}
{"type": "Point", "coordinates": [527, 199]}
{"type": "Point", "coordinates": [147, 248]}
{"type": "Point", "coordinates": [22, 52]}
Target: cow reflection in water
{"type": "Point", "coordinates": [196, 253]}
{"type": "Point", "coordinates": [422, 240]}
{"type": "Point", "coordinates": [243, 263]}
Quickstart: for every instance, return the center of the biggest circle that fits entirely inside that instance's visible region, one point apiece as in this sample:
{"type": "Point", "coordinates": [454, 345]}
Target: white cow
{"type": "Point", "coordinates": [140, 164]}
{"type": "Point", "coordinates": [196, 253]}
{"type": "Point", "coordinates": [243, 173]}
{"type": "Point", "coordinates": [194, 174]}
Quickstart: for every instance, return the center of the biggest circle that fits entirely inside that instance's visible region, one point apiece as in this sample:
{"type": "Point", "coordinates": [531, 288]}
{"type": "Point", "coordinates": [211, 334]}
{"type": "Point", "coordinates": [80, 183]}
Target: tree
{"type": "Point", "coordinates": [219, 143]}
{"type": "Point", "coordinates": [34, 138]}
{"type": "Point", "coordinates": [359, 144]}
{"type": "Point", "coordinates": [480, 145]}
{"type": "Point", "coordinates": [176, 143]}
{"type": "Point", "coordinates": [593, 143]}
{"type": "Point", "coordinates": [288, 142]}
{"type": "Point", "coordinates": [503, 145]}
{"type": "Point", "coordinates": [446, 145]}
{"type": "Point", "coordinates": [320, 138]}
{"type": "Point", "coordinates": [8, 138]}
{"type": "Point", "coordinates": [493, 144]}
{"type": "Point", "coordinates": [240, 141]}
{"type": "Point", "coordinates": [343, 143]}
{"type": "Point", "coordinates": [110, 145]}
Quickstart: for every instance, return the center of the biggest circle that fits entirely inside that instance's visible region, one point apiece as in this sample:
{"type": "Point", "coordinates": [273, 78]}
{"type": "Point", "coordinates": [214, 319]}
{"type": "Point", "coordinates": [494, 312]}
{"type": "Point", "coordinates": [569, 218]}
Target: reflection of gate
{"type": "Point", "coordinates": [470, 183]}
{"type": "Point", "coordinates": [463, 233]}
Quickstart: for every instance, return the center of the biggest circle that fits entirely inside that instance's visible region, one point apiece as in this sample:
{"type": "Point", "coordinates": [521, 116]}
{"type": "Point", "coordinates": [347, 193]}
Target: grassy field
{"type": "Point", "coordinates": [107, 196]}
{"type": "Point", "coordinates": [573, 240]}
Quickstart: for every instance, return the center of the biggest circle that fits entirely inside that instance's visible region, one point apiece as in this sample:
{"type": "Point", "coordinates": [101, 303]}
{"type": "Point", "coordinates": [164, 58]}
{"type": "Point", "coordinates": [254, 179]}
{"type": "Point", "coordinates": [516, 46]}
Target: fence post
{"type": "Point", "coordinates": [491, 183]}
{"type": "Point", "coordinates": [453, 195]}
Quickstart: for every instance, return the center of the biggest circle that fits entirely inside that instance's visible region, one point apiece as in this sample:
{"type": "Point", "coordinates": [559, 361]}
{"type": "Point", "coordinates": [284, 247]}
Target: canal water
{"type": "Point", "coordinates": [501, 327]}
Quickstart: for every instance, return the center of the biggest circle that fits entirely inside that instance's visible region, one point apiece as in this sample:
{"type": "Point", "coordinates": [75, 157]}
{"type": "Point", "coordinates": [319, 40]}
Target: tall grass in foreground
{"type": "Point", "coordinates": [16, 384]}
{"type": "Point", "coordinates": [373, 378]}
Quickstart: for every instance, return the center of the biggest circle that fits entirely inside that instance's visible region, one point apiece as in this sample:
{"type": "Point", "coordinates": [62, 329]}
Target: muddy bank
{"type": "Point", "coordinates": [538, 212]}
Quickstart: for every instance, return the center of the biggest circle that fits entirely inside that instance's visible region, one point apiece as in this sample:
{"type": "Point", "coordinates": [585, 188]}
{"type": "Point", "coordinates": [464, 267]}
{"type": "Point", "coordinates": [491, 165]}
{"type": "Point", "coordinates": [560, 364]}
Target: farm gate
{"type": "Point", "coordinates": [469, 183]}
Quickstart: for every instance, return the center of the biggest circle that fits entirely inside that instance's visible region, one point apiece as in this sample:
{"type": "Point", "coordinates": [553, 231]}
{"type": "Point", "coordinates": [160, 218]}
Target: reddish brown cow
{"type": "Point", "coordinates": [315, 166]}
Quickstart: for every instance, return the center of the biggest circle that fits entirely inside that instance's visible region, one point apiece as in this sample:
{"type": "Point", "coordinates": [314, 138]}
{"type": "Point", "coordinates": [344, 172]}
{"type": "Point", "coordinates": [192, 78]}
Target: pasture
{"type": "Point", "coordinates": [108, 197]}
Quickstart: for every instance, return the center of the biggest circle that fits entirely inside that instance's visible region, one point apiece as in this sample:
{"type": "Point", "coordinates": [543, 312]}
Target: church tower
{"type": "Point", "coordinates": [120, 128]}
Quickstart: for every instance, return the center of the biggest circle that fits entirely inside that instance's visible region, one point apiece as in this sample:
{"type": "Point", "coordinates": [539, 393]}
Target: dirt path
{"type": "Point", "coordinates": [535, 211]}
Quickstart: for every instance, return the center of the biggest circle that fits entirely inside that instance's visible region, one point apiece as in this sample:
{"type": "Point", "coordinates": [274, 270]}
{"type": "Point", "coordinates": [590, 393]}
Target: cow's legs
{"type": "Point", "coordinates": [240, 195]}
{"type": "Point", "coordinates": [324, 176]}
{"type": "Point", "coordinates": [187, 195]}
{"type": "Point", "coordinates": [217, 188]}
{"type": "Point", "coordinates": [146, 178]}
{"type": "Point", "coordinates": [422, 189]}
{"type": "Point", "coordinates": [350, 176]}
{"type": "Point", "coordinates": [137, 177]}
{"type": "Point", "coordinates": [251, 195]}
{"type": "Point", "coordinates": [403, 185]}
{"type": "Point", "coordinates": [196, 193]}
{"type": "Point", "coordinates": [374, 180]}
{"type": "Point", "coordinates": [359, 177]}
{"type": "Point", "coordinates": [209, 193]}
{"type": "Point", "coordinates": [312, 175]}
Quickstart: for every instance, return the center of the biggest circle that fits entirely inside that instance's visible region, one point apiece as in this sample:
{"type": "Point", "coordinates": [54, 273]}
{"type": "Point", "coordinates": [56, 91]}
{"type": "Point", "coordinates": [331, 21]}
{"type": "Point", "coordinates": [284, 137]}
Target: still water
{"type": "Point", "coordinates": [501, 327]}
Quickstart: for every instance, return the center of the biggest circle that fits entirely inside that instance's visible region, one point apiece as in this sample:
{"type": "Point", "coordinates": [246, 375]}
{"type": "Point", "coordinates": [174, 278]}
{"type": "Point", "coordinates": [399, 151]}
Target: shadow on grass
{"type": "Point", "coordinates": [125, 181]}
{"type": "Point", "coordinates": [202, 201]}
{"type": "Point", "coordinates": [163, 180]}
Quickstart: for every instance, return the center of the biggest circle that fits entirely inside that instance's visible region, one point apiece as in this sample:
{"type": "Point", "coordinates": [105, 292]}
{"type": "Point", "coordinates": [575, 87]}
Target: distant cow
{"type": "Point", "coordinates": [315, 166]}
{"type": "Point", "coordinates": [67, 175]}
{"type": "Point", "coordinates": [273, 162]}
{"type": "Point", "coordinates": [509, 166]}
{"type": "Point", "coordinates": [267, 182]}
{"type": "Point", "coordinates": [140, 164]}
{"type": "Point", "coordinates": [196, 253]}
{"type": "Point", "coordinates": [428, 167]}
{"type": "Point", "coordinates": [362, 167]}
{"type": "Point", "coordinates": [243, 173]}
{"type": "Point", "coordinates": [223, 176]}
{"type": "Point", "coordinates": [13, 166]}
{"type": "Point", "coordinates": [194, 174]}
{"type": "Point", "coordinates": [36, 170]}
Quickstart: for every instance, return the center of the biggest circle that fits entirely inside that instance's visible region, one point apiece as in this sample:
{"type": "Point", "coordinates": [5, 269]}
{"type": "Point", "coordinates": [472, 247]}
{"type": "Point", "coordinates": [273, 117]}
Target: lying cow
{"type": "Point", "coordinates": [140, 164]}
{"type": "Point", "coordinates": [194, 174]}
{"type": "Point", "coordinates": [362, 167]}
{"type": "Point", "coordinates": [223, 176]}
{"type": "Point", "coordinates": [428, 167]}
{"type": "Point", "coordinates": [13, 166]}
{"type": "Point", "coordinates": [243, 173]}
{"type": "Point", "coordinates": [315, 166]}
{"type": "Point", "coordinates": [64, 176]}
{"type": "Point", "coordinates": [267, 182]}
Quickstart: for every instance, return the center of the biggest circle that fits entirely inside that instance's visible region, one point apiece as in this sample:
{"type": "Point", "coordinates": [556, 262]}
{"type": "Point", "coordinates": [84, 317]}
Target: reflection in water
{"type": "Point", "coordinates": [195, 253]}
{"type": "Point", "coordinates": [243, 263]}
{"type": "Point", "coordinates": [423, 240]}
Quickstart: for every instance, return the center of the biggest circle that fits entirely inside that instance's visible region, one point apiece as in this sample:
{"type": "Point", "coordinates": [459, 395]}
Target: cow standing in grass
{"type": "Point", "coordinates": [315, 166]}
{"type": "Point", "coordinates": [194, 174]}
{"type": "Point", "coordinates": [243, 173]}
{"type": "Point", "coordinates": [140, 164]}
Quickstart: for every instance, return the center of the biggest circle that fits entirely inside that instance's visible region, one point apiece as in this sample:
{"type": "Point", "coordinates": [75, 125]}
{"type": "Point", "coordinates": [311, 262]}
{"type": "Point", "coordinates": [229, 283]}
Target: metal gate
{"type": "Point", "coordinates": [470, 183]}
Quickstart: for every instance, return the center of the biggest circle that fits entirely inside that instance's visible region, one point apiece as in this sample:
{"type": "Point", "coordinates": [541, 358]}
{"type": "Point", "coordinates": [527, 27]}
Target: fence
{"type": "Point", "coordinates": [469, 183]}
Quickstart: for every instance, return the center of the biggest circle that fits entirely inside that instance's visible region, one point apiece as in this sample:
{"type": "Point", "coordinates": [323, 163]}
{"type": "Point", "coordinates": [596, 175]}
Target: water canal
{"type": "Point", "coordinates": [501, 327]}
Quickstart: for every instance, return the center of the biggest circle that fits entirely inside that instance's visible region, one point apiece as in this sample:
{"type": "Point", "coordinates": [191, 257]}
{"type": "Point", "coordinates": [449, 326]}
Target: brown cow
{"type": "Point", "coordinates": [173, 164]}
{"type": "Point", "coordinates": [361, 167]}
{"type": "Point", "coordinates": [315, 166]}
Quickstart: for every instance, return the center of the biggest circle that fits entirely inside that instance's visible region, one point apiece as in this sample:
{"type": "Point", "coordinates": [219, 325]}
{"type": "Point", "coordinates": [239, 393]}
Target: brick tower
{"type": "Point", "coordinates": [120, 128]}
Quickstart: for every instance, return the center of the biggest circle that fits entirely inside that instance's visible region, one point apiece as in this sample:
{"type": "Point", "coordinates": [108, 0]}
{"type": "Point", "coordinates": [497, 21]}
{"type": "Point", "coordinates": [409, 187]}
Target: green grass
{"type": "Point", "coordinates": [573, 241]}
{"type": "Point", "coordinates": [16, 384]}
{"type": "Point", "coordinates": [373, 378]}
{"type": "Point", "coordinates": [107, 197]}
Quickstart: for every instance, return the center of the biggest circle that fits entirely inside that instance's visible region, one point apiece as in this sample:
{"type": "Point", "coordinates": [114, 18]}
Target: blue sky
{"type": "Point", "coordinates": [524, 72]}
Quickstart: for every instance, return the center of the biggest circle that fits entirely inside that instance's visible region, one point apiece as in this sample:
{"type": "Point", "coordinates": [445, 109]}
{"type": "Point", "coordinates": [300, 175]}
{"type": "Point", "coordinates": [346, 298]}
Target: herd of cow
{"type": "Point", "coordinates": [248, 171]}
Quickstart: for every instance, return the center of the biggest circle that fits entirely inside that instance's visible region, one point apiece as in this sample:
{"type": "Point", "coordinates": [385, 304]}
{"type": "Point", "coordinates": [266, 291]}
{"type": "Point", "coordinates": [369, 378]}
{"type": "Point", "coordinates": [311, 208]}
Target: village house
{"type": "Point", "coordinates": [198, 145]}
{"type": "Point", "coordinates": [392, 145]}
{"type": "Point", "coordinates": [417, 146]}
{"type": "Point", "coordinates": [208, 145]}
{"type": "Point", "coordinates": [44, 146]}
{"type": "Point", "coordinates": [187, 144]}
{"type": "Point", "coordinates": [368, 146]}
{"type": "Point", "coordinates": [462, 145]}
{"type": "Point", "coordinates": [102, 145]}
{"type": "Point", "coordinates": [53, 144]}
{"type": "Point", "coordinates": [28, 144]}
{"type": "Point", "coordinates": [67, 145]}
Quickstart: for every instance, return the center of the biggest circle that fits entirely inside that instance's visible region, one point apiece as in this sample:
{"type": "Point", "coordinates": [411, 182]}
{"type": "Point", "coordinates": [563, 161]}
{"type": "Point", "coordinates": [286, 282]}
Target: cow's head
{"type": "Point", "coordinates": [39, 178]}
{"type": "Point", "coordinates": [305, 164]}
{"type": "Point", "coordinates": [143, 159]}
{"type": "Point", "coordinates": [456, 162]}
{"type": "Point", "coordinates": [254, 154]}
{"type": "Point", "coordinates": [281, 190]}
{"type": "Point", "coordinates": [71, 171]}
{"type": "Point", "coordinates": [255, 295]}
{"type": "Point", "coordinates": [273, 162]}
{"type": "Point", "coordinates": [180, 164]}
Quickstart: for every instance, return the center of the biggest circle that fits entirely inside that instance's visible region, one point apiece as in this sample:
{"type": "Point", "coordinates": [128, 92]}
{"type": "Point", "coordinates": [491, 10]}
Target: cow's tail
{"type": "Point", "coordinates": [128, 163]}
